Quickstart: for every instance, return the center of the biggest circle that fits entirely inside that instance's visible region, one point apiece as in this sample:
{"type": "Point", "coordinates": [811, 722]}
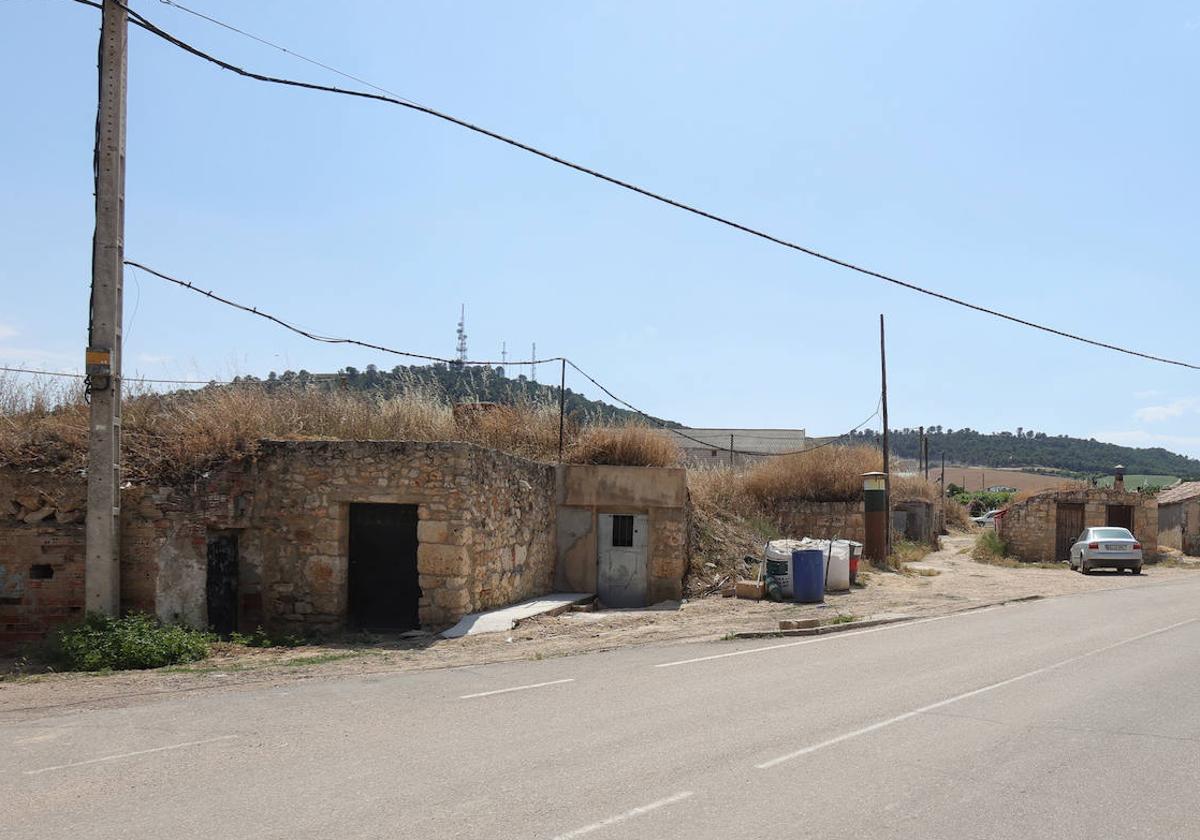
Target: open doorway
{"type": "Point", "coordinates": [383, 588]}
{"type": "Point", "coordinates": [221, 582]}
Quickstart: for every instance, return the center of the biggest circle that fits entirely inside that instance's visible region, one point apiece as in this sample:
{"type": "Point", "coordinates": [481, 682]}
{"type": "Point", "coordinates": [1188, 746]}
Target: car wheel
{"type": "Point", "coordinates": [1083, 566]}
{"type": "Point", "coordinates": [1137, 570]}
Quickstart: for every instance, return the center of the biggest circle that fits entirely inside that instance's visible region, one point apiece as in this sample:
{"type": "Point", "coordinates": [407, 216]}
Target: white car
{"type": "Point", "coordinates": [986, 519]}
{"type": "Point", "coordinates": [1106, 548]}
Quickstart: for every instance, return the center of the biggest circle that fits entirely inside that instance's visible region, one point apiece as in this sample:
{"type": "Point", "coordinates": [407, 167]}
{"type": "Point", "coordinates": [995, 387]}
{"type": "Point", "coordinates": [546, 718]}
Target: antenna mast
{"type": "Point", "coordinates": [462, 335]}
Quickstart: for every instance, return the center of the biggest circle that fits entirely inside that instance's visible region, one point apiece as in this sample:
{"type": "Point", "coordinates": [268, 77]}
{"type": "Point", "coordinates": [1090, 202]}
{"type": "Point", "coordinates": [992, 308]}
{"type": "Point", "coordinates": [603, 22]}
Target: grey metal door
{"type": "Point", "coordinates": [621, 576]}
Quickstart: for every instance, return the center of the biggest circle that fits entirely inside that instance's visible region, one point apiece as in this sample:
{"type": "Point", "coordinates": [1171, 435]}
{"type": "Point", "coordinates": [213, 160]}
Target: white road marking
{"type": "Point", "coordinates": [515, 688]}
{"type": "Point", "coordinates": [964, 696]}
{"type": "Point", "coordinates": [129, 754]}
{"type": "Point", "coordinates": [630, 814]}
{"type": "Point", "coordinates": [829, 638]}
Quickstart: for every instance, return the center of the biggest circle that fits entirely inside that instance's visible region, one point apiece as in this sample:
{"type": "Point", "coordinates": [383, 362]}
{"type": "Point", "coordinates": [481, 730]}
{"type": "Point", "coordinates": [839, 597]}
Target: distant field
{"type": "Point", "coordinates": [1136, 482]}
{"type": "Point", "coordinates": [981, 478]}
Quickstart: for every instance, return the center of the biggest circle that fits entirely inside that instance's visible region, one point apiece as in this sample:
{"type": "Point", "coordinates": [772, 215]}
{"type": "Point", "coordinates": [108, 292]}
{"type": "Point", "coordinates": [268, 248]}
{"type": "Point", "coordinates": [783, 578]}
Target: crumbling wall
{"type": "Point", "coordinates": [41, 553]}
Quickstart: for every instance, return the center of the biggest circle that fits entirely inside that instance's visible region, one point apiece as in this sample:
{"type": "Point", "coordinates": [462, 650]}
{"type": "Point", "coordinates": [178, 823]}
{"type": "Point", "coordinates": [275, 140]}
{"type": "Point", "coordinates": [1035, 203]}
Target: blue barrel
{"type": "Point", "coordinates": [808, 576]}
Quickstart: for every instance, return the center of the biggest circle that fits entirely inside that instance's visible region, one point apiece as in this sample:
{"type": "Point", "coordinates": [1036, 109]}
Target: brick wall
{"type": "Point", "coordinates": [41, 554]}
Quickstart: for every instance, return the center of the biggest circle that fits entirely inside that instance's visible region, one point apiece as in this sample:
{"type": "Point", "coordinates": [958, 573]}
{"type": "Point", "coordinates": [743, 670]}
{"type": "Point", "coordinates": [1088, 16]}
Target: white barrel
{"type": "Point", "coordinates": [777, 561]}
{"type": "Point", "coordinates": [837, 569]}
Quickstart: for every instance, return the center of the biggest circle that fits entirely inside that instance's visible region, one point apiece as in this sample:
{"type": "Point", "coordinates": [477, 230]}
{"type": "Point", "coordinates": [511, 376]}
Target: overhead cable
{"type": "Point", "coordinates": [145, 24]}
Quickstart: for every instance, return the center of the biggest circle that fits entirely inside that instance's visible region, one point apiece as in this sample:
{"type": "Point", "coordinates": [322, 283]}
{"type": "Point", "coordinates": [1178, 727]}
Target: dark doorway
{"type": "Point", "coordinates": [1120, 516]}
{"type": "Point", "coordinates": [383, 588]}
{"type": "Point", "coordinates": [1068, 528]}
{"type": "Point", "coordinates": [222, 583]}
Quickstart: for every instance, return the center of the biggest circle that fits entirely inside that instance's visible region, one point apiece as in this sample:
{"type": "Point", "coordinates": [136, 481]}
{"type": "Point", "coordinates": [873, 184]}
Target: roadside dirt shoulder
{"type": "Point", "coordinates": [950, 581]}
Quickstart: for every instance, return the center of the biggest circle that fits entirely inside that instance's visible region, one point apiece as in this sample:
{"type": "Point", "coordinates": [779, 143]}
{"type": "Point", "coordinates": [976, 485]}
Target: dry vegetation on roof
{"type": "Point", "coordinates": [175, 437]}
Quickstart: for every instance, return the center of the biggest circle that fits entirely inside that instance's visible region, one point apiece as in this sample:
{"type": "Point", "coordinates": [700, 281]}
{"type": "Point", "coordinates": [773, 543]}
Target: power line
{"type": "Point", "coordinates": [312, 336]}
{"type": "Point", "coordinates": [141, 21]}
{"type": "Point", "coordinates": [284, 49]}
{"type": "Point", "coordinates": [325, 339]}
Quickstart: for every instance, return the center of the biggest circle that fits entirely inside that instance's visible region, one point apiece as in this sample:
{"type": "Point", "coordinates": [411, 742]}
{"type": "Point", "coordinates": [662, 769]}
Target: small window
{"type": "Point", "coordinates": [41, 571]}
{"type": "Point", "coordinates": [622, 536]}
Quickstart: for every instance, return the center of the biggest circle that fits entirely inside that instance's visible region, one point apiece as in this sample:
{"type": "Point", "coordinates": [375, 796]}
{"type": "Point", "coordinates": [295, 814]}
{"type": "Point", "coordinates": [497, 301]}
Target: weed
{"type": "Point", "coordinates": [633, 444]}
{"type": "Point", "coordinates": [842, 618]}
{"type": "Point", "coordinates": [136, 641]}
{"type": "Point", "coordinates": [320, 658]}
{"type": "Point", "coordinates": [991, 548]}
{"type": "Point", "coordinates": [261, 639]}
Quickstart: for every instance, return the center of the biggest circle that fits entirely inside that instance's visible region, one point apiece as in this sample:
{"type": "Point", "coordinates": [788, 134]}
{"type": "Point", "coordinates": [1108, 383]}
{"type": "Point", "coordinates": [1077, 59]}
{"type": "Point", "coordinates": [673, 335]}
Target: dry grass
{"type": "Point", "coordinates": [632, 445]}
{"type": "Point", "coordinates": [1060, 485]}
{"type": "Point", "coordinates": [957, 516]}
{"type": "Point", "coordinates": [829, 474]}
{"type": "Point", "coordinates": [177, 436]}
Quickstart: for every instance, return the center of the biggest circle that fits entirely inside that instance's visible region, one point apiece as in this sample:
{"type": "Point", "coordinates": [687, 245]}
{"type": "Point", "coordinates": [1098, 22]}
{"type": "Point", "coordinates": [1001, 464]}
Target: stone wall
{"type": "Point", "coordinates": [822, 520]}
{"type": "Point", "coordinates": [1030, 527]}
{"type": "Point", "coordinates": [486, 532]}
{"type": "Point", "coordinates": [1179, 526]}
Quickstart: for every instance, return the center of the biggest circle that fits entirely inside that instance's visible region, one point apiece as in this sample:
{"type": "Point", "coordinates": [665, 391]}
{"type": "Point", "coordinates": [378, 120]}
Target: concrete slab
{"type": "Point", "coordinates": [506, 618]}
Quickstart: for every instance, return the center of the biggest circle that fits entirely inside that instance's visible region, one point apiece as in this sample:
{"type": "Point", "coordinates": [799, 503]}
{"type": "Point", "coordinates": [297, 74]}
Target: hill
{"type": "Point", "coordinates": [1027, 449]}
{"type": "Point", "coordinates": [458, 384]}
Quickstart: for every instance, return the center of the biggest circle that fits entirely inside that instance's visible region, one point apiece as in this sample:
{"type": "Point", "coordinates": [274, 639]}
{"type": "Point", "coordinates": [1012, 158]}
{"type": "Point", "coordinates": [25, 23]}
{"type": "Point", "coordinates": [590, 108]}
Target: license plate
{"type": "Point", "coordinates": [1115, 547]}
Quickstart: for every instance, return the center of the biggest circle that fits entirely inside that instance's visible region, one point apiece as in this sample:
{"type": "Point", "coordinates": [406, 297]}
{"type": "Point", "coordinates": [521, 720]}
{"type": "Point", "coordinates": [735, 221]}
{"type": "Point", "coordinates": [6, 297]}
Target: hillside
{"type": "Point", "coordinates": [460, 384]}
{"type": "Point", "coordinates": [1027, 449]}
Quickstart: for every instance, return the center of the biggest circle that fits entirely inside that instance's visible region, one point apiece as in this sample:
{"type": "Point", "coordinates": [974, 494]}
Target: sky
{"type": "Point", "coordinates": [1037, 158]}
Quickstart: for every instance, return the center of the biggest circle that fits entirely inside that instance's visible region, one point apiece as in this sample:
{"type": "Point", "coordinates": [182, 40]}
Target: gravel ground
{"type": "Point", "coordinates": [944, 581]}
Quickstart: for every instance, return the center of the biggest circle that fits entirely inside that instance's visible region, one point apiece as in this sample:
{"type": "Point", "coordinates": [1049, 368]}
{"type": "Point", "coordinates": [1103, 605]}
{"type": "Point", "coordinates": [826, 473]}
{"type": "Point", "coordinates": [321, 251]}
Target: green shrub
{"type": "Point", "coordinates": [991, 548]}
{"type": "Point", "coordinates": [135, 641]}
{"type": "Point", "coordinates": [260, 638]}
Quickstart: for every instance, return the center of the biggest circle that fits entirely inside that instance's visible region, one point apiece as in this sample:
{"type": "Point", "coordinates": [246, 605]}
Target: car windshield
{"type": "Point", "coordinates": [1111, 534]}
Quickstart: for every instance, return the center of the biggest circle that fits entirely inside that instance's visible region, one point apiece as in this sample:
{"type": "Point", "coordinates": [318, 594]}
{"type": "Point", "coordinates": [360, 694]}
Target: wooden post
{"type": "Point", "coordinates": [102, 567]}
{"type": "Point", "coordinates": [887, 469]}
{"type": "Point", "coordinates": [562, 407]}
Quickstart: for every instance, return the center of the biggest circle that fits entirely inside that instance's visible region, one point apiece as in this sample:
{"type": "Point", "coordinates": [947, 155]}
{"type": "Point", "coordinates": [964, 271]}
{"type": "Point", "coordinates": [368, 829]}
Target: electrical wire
{"type": "Point", "coordinates": [313, 336]}
{"type": "Point", "coordinates": [327, 339]}
{"type": "Point", "coordinates": [145, 24]}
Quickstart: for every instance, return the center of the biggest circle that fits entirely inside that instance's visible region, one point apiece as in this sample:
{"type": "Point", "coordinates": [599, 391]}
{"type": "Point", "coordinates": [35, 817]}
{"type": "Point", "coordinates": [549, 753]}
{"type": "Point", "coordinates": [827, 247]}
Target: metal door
{"type": "Point", "coordinates": [383, 587]}
{"type": "Point", "coordinates": [1069, 527]}
{"type": "Point", "coordinates": [621, 553]}
{"type": "Point", "coordinates": [221, 583]}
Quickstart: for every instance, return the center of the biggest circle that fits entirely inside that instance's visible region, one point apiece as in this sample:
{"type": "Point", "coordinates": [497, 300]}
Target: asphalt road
{"type": "Point", "coordinates": [1072, 717]}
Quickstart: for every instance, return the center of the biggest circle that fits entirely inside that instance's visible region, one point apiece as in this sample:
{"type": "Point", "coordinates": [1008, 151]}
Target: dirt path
{"type": "Point", "coordinates": [950, 581]}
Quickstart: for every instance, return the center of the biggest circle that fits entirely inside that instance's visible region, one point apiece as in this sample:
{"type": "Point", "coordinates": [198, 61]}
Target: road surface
{"type": "Point", "coordinates": [1070, 717]}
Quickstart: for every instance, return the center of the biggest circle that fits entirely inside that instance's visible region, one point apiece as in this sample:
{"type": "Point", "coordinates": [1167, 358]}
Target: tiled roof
{"type": "Point", "coordinates": [1179, 493]}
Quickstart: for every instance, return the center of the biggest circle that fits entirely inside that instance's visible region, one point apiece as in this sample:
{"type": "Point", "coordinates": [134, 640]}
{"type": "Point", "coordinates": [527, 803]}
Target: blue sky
{"type": "Point", "coordinates": [1032, 157]}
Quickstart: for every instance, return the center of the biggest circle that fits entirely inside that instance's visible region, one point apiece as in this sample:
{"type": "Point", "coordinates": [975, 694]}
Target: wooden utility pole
{"type": "Point", "coordinates": [920, 449]}
{"type": "Point", "coordinates": [887, 471]}
{"type": "Point", "coordinates": [562, 407]}
{"type": "Point", "coordinates": [102, 570]}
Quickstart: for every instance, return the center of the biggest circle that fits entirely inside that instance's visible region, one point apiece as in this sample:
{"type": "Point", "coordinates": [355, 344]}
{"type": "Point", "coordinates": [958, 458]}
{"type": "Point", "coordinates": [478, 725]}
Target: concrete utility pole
{"type": "Point", "coordinates": [102, 570]}
{"type": "Point", "coordinates": [887, 471]}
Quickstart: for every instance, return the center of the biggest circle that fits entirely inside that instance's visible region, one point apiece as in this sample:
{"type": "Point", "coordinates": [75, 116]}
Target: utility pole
{"type": "Point", "coordinates": [731, 450]}
{"type": "Point", "coordinates": [920, 449]}
{"type": "Point", "coordinates": [102, 567]}
{"type": "Point", "coordinates": [562, 407]}
{"type": "Point", "coordinates": [887, 471]}
{"type": "Point", "coordinates": [925, 452]}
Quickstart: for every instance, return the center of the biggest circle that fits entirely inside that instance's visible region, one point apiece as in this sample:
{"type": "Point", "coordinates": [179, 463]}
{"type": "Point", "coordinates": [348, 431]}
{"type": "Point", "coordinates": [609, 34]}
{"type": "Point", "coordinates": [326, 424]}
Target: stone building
{"type": "Point", "coordinates": [918, 520]}
{"type": "Point", "coordinates": [328, 535]}
{"type": "Point", "coordinates": [1179, 517]}
{"type": "Point", "coordinates": [1043, 527]}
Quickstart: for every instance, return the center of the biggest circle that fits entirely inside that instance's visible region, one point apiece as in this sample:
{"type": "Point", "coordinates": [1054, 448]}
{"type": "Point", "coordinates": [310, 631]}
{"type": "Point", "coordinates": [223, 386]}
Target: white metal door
{"type": "Point", "coordinates": [621, 577]}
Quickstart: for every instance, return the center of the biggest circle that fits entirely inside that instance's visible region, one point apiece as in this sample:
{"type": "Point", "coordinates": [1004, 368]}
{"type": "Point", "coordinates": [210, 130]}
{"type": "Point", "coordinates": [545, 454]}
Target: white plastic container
{"type": "Point", "coordinates": [837, 568]}
{"type": "Point", "coordinates": [777, 559]}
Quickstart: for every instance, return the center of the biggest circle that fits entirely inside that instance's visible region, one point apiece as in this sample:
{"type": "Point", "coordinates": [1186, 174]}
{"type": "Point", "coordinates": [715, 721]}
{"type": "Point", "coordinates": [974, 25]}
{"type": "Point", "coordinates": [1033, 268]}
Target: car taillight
{"type": "Point", "coordinates": [1137, 546]}
{"type": "Point", "coordinates": [1093, 545]}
